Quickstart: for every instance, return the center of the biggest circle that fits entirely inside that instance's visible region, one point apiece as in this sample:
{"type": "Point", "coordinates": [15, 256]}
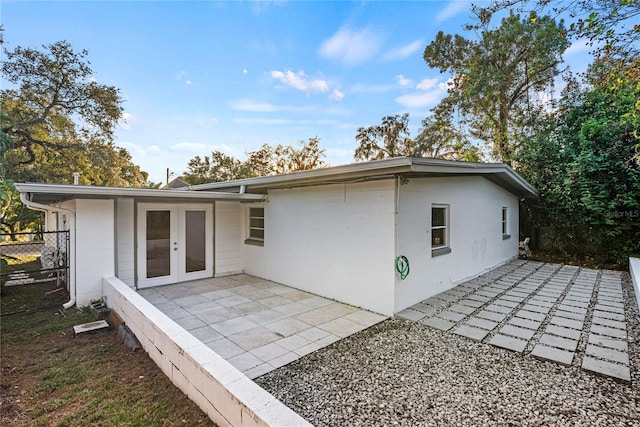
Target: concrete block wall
{"type": "Point", "coordinates": [475, 233]}
{"type": "Point", "coordinates": [227, 396]}
{"type": "Point", "coordinates": [228, 239]}
{"type": "Point", "coordinates": [125, 238]}
{"type": "Point", "coordinates": [94, 247]}
{"type": "Point", "coordinates": [634, 270]}
{"type": "Point", "coordinates": [336, 241]}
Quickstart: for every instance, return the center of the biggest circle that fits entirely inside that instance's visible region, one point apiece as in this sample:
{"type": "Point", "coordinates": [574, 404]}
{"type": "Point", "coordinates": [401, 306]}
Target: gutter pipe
{"type": "Point", "coordinates": [46, 208]}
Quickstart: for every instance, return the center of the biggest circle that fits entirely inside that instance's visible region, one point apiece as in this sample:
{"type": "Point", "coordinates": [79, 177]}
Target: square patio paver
{"type": "Point", "coordinates": [475, 334]}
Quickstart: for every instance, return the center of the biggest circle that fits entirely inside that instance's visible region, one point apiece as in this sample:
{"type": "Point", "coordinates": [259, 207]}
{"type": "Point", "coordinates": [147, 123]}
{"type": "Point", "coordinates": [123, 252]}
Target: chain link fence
{"type": "Point", "coordinates": [34, 260]}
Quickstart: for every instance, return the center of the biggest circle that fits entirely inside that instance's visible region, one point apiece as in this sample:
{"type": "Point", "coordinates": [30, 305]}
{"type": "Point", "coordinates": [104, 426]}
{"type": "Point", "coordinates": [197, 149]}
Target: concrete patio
{"type": "Point", "coordinates": [255, 324]}
{"type": "Point", "coordinates": [564, 314]}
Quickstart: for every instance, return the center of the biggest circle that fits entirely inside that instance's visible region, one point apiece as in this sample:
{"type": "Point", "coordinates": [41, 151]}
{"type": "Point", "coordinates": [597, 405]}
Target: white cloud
{"type": "Point", "coordinates": [139, 150]}
{"type": "Point", "coordinates": [351, 47]}
{"type": "Point", "coordinates": [578, 47]}
{"type": "Point", "coordinates": [364, 88]}
{"type": "Point", "coordinates": [419, 99]}
{"type": "Point", "coordinates": [181, 76]}
{"type": "Point", "coordinates": [127, 120]}
{"type": "Point", "coordinates": [402, 52]}
{"type": "Point", "coordinates": [299, 81]}
{"type": "Point", "coordinates": [428, 92]}
{"type": "Point", "coordinates": [427, 84]}
{"type": "Point", "coordinates": [337, 95]}
{"type": "Point", "coordinates": [194, 148]}
{"type": "Point", "coordinates": [265, 107]}
{"type": "Point", "coordinates": [453, 8]}
{"type": "Point", "coordinates": [444, 86]}
{"type": "Point", "coordinates": [403, 81]}
{"type": "Point", "coordinates": [252, 121]}
{"type": "Point", "coordinates": [245, 71]}
{"type": "Point", "coordinates": [248, 105]}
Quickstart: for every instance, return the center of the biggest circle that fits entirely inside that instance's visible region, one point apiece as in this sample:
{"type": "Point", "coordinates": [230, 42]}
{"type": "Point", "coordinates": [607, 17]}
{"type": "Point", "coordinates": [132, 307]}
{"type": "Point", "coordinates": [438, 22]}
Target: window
{"type": "Point", "coordinates": [256, 227]}
{"type": "Point", "coordinates": [505, 223]}
{"type": "Point", "coordinates": [439, 230]}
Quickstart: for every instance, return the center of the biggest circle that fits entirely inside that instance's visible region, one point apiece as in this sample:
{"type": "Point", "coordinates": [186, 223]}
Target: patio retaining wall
{"type": "Point", "coordinates": [227, 396]}
{"type": "Point", "coordinates": [634, 270]}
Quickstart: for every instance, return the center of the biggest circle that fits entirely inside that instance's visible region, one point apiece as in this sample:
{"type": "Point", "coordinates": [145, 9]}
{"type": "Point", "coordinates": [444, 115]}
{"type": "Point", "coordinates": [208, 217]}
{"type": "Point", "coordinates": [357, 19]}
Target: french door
{"type": "Point", "coordinates": [175, 243]}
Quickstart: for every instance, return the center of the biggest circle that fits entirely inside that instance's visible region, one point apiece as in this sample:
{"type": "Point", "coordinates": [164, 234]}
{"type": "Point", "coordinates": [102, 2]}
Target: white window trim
{"type": "Point", "coordinates": [446, 247]}
{"type": "Point", "coordinates": [256, 241]}
{"type": "Point", "coordinates": [504, 223]}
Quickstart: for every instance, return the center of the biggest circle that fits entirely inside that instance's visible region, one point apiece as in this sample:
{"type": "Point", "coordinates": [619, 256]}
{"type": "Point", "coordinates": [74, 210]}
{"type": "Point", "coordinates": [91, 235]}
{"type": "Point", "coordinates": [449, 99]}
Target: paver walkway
{"type": "Point", "coordinates": [565, 314]}
{"type": "Point", "coordinates": [255, 324]}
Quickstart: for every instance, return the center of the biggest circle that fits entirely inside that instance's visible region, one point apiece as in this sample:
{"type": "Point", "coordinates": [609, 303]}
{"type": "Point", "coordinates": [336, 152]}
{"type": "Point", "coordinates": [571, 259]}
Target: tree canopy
{"type": "Point", "coordinates": [584, 164]}
{"type": "Point", "coordinates": [55, 91]}
{"type": "Point", "coordinates": [215, 168]}
{"type": "Point", "coordinates": [437, 138]}
{"type": "Point", "coordinates": [610, 26]}
{"type": "Point", "coordinates": [57, 119]}
{"type": "Point", "coordinates": [264, 161]}
{"type": "Point", "coordinates": [497, 79]}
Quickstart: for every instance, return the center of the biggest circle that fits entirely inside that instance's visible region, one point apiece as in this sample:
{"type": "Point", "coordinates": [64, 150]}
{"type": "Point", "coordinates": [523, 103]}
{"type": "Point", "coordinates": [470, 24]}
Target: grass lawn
{"type": "Point", "coordinates": [52, 378]}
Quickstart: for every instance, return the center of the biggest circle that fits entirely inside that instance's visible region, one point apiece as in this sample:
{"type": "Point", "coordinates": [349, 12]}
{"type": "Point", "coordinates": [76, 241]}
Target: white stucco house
{"type": "Point", "coordinates": [335, 232]}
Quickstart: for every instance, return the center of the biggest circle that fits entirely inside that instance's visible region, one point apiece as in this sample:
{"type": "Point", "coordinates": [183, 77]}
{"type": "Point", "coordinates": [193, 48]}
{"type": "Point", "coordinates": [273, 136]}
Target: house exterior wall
{"type": "Point", "coordinates": [125, 240]}
{"type": "Point", "coordinates": [228, 238]}
{"type": "Point", "coordinates": [475, 233]}
{"type": "Point", "coordinates": [336, 241]}
{"type": "Point", "coordinates": [95, 247]}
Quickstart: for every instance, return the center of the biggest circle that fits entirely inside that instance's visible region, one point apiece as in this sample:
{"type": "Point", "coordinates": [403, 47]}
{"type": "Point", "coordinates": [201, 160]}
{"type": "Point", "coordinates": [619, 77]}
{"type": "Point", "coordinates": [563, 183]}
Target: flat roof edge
{"type": "Point", "coordinates": [377, 169]}
{"type": "Point", "coordinates": [112, 192]}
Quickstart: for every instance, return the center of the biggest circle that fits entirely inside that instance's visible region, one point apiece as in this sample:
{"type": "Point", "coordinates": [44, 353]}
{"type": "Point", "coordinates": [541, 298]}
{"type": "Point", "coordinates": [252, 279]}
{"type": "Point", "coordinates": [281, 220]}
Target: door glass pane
{"type": "Point", "coordinates": [195, 252]}
{"type": "Point", "coordinates": [158, 243]}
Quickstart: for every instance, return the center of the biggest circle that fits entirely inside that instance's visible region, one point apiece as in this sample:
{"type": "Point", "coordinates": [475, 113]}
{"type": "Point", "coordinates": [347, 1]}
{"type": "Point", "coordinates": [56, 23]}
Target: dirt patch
{"type": "Point", "coordinates": [51, 377]}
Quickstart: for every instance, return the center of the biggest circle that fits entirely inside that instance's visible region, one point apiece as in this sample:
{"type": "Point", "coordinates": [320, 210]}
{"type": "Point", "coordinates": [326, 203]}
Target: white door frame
{"type": "Point", "coordinates": [178, 243]}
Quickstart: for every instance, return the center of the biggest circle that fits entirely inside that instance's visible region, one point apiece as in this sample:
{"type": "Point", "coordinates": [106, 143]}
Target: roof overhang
{"type": "Point", "coordinates": [52, 193]}
{"type": "Point", "coordinates": [410, 167]}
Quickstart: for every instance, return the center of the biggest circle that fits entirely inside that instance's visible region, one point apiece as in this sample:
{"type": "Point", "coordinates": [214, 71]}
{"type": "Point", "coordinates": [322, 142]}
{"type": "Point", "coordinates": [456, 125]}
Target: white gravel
{"type": "Point", "coordinates": [403, 373]}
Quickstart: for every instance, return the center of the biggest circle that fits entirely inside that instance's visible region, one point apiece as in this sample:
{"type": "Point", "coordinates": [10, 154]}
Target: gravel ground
{"type": "Point", "coordinates": [403, 373]}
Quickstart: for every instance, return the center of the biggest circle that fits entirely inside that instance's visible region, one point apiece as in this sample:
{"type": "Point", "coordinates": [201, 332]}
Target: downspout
{"type": "Point", "coordinates": [45, 208]}
{"type": "Point", "coordinates": [395, 213]}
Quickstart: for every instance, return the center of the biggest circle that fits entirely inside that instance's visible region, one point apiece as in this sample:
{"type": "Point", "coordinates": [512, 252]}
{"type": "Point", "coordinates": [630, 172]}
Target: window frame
{"type": "Point", "coordinates": [505, 223]}
{"type": "Point", "coordinates": [445, 247]}
{"type": "Point", "coordinates": [252, 239]}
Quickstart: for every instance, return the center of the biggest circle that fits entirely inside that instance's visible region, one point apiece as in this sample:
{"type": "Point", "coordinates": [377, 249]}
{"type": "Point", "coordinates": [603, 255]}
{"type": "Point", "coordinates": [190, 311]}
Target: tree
{"type": "Point", "coordinates": [585, 166]}
{"type": "Point", "coordinates": [392, 138]}
{"type": "Point", "coordinates": [55, 85]}
{"type": "Point", "coordinates": [56, 120]}
{"type": "Point", "coordinates": [218, 167]}
{"type": "Point", "coordinates": [440, 138]}
{"type": "Point", "coordinates": [286, 159]}
{"type": "Point", "coordinates": [611, 26]}
{"type": "Point", "coordinates": [261, 162]}
{"type": "Point", "coordinates": [496, 78]}
{"type": "Point", "coordinates": [14, 216]}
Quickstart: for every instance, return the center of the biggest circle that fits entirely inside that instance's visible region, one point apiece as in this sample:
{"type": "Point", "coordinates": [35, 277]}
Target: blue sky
{"type": "Point", "coordinates": [231, 76]}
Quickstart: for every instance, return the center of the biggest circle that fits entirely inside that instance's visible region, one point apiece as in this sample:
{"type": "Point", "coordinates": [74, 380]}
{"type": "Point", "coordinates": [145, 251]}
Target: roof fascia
{"type": "Point", "coordinates": [84, 191]}
{"type": "Point", "coordinates": [322, 175]}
